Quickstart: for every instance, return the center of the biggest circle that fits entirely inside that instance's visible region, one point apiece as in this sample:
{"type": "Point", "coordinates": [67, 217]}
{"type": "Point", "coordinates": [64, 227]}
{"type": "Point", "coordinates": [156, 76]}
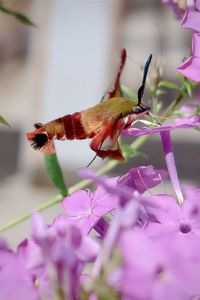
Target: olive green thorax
{"type": "Point", "coordinates": [109, 111]}
{"type": "Point", "coordinates": [115, 107]}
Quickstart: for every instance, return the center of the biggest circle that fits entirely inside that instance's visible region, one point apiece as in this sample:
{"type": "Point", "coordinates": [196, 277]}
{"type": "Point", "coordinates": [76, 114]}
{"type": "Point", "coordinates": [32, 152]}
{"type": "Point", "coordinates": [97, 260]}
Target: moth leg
{"type": "Point", "coordinates": [106, 145]}
{"type": "Point", "coordinates": [145, 122]}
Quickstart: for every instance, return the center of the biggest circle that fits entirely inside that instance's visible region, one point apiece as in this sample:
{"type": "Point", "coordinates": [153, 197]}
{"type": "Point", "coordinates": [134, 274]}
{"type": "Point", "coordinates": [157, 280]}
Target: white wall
{"type": "Point", "coordinates": [77, 53]}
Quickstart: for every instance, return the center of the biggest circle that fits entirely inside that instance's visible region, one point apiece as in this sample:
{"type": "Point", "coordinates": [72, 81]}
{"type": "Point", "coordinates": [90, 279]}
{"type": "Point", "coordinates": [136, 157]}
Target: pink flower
{"type": "Point", "coordinates": [191, 67]}
{"type": "Point", "coordinates": [55, 256]}
{"type": "Point", "coordinates": [15, 282]}
{"type": "Point", "coordinates": [171, 217]}
{"type": "Point", "coordinates": [156, 268]}
{"type": "Point", "coordinates": [142, 178]}
{"type": "Point", "coordinates": [191, 18]}
{"type": "Point", "coordinates": [164, 130]}
{"type": "Point", "coordinates": [187, 122]}
{"type": "Point", "coordinates": [179, 7]}
{"type": "Point", "coordinates": [189, 108]}
{"type": "Point", "coordinates": [33, 259]}
{"type": "Point", "coordinates": [86, 209]}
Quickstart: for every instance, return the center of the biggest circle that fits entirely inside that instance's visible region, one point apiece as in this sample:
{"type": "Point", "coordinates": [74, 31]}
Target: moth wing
{"type": "Point", "coordinates": [116, 90]}
{"type": "Point", "coordinates": [106, 144]}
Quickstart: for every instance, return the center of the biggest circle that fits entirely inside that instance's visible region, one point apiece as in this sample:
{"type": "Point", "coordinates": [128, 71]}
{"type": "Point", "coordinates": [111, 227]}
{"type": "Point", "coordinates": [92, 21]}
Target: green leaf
{"type": "Point", "coordinates": [55, 173]}
{"type": "Point", "coordinates": [128, 152]}
{"type": "Point", "coordinates": [184, 79]}
{"type": "Point", "coordinates": [129, 92]}
{"type": "Point", "coordinates": [3, 121]}
{"type": "Point", "coordinates": [180, 77]}
{"type": "Point", "coordinates": [188, 87]}
{"type": "Point", "coordinates": [160, 92]}
{"type": "Point", "coordinates": [197, 111]}
{"type": "Point", "coordinates": [170, 85]}
{"type": "Point", "coordinates": [197, 128]}
{"type": "Point", "coordinates": [22, 18]}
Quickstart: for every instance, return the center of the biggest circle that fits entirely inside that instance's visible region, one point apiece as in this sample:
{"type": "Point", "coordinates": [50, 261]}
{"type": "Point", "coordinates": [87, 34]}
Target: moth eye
{"type": "Point", "coordinates": [137, 110]}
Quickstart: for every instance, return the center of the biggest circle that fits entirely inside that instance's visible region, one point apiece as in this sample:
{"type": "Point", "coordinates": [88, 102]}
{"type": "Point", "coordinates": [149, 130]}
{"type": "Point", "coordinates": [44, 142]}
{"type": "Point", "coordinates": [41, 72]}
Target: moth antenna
{"type": "Point", "coordinates": [92, 161]}
{"type": "Point", "coordinates": [141, 89]}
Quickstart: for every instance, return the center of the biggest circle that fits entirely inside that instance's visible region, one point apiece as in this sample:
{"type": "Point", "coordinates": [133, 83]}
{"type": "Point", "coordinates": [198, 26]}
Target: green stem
{"type": "Point", "coordinates": [174, 103]}
{"type": "Point", "coordinates": [27, 215]}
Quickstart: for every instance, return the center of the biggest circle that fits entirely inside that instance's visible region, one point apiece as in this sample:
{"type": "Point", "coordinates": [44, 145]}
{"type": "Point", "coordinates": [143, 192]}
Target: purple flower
{"type": "Point", "coordinates": [179, 7]}
{"type": "Point", "coordinates": [49, 238]}
{"type": "Point", "coordinates": [189, 109]}
{"type": "Point", "coordinates": [188, 122]}
{"type": "Point", "coordinates": [125, 216]}
{"type": "Point", "coordinates": [184, 220]}
{"type": "Point", "coordinates": [65, 252]}
{"type": "Point", "coordinates": [32, 257]}
{"type": "Point", "coordinates": [142, 178]}
{"type": "Point", "coordinates": [171, 166]}
{"type": "Point", "coordinates": [15, 281]}
{"type": "Point", "coordinates": [191, 67]}
{"type": "Point", "coordinates": [154, 269]}
{"type": "Point", "coordinates": [164, 130]}
{"type": "Point", "coordinates": [86, 209]}
{"type": "Point", "coordinates": [124, 191]}
{"type": "Point", "coordinates": [191, 18]}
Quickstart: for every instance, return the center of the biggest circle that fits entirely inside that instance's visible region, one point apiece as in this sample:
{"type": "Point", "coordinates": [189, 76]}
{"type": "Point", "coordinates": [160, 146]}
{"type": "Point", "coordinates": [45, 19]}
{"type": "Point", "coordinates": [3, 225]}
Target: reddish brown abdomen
{"type": "Point", "coordinates": [67, 127]}
{"type": "Point", "coordinates": [73, 127]}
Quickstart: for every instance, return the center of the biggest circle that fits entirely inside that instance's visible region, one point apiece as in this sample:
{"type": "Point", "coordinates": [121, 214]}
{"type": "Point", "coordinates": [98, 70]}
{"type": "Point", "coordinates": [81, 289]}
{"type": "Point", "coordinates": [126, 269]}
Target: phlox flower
{"type": "Point", "coordinates": [126, 214]}
{"type": "Point", "coordinates": [191, 18]}
{"type": "Point", "coordinates": [164, 130]}
{"type": "Point", "coordinates": [155, 268]}
{"type": "Point", "coordinates": [187, 122]}
{"type": "Point", "coordinates": [85, 209]}
{"type": "Point", "coordinates": [32, 257]}
{"type": "Point", "coordinates": [15, 282]}
{"type": "Point", "coordinates": [189, 108]}
{"type": "Point", "coordinates": [53, 239]}
{"type": "Point", "coordinates": [142, 178]}
{"type": "Point", "coordinates": [183, 220]}
{"type": "Point", "coordinates": [55, 257]}
{"type": "Point", "coordinates": [179, 6]}
{"type": "Point", "coordinates": [128, 188]}
{"type": "Point", "coordinates": [191, 67]}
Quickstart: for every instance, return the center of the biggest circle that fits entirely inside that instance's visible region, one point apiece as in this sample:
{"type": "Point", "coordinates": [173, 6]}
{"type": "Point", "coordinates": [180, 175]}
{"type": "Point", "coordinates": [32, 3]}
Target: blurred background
{"type": "Point", "coordinates": [64, 65]}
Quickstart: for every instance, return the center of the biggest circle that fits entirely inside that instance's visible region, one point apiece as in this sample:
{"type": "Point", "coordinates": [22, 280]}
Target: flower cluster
{"type": "Point", "coordinates": [191, 20]}
{"type": "Point", "coordinates": [157, 240]}
{"type": "Point", "coordinates": [143, 246]}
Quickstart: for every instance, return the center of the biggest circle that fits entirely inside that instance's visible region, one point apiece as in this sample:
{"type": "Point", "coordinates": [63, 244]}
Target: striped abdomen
{"type": "Point", "coordinates": [68, 127]}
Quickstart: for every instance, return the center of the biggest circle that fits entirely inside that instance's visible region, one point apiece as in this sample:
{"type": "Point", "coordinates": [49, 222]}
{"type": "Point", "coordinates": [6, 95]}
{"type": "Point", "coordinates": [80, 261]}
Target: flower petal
{"type": "Point", "coordinates": [191, 67]}
{"type": "Point", "coordinates": [197, 4]}
{"type": "Point", "coordinates": [171, 166]}
{"type": "Point", "coordinates": [188, 122]}
{"type": "Point", "coordinates": [142, 178]}
{"type": "Point", "coordinates": [191, 20]}
{"type": "Point", "coordinates": [15, 282]}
